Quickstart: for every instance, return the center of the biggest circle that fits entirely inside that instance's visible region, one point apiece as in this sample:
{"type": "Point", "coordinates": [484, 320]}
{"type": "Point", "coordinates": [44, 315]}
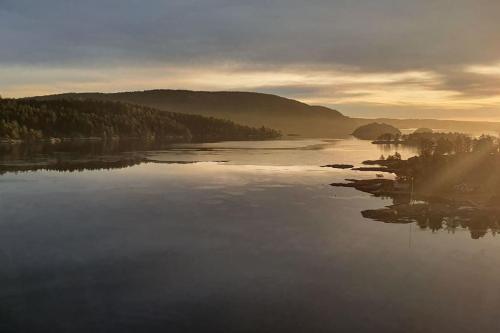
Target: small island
{"type": "Point", "coordinates": [423, 130]}
{"type": "Point", "coordinates": [374, 131]}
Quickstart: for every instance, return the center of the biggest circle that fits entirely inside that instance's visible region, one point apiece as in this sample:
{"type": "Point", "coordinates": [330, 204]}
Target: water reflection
{"type": "Point", "coordinates": [287, 155]}
{"type": "Point", "coordinates": [259, 243]}
{"type": "Point", "coordinates": [96, 155]}
{"type": "Point", "coordinates": [77, 156]}
{"type": "Point", "coordinates": [74, 149]}
{"type": "Point", "coordinates": [438, 216]}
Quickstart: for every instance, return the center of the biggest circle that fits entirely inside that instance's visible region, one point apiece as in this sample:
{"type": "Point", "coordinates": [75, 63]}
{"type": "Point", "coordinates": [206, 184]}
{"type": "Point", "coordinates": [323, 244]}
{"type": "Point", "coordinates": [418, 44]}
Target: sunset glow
{"type": "Point", "coordinates": [380, 66]}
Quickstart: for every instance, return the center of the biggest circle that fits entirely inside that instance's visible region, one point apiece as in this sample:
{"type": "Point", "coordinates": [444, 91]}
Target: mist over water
{"type": "Point", "coordinates": [248, 238]}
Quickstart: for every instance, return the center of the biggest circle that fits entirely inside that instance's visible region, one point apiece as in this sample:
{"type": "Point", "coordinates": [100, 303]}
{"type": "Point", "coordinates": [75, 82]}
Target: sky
{"type": "Point", "coordinates": [370, 58]}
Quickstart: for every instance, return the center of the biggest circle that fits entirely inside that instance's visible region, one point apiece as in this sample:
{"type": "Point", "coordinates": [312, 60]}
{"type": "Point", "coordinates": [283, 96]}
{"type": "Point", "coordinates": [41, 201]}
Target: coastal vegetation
{"type": "Point", "coordinates": [453, 181]}
{"type": "Point", "coordinates": [453, 164]}
{"type": "Point", "coordinates": [424, 139]}
{"type": "Point", "coordinates": [31, 120]}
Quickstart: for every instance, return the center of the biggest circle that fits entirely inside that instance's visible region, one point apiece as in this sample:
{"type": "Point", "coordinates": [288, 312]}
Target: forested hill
{"type": "Point", "coordinates": [255, 109]}
{"type": "Point", "coordinates": [29, 119]}
{"type": "Point", "coordinates": [249, 108]}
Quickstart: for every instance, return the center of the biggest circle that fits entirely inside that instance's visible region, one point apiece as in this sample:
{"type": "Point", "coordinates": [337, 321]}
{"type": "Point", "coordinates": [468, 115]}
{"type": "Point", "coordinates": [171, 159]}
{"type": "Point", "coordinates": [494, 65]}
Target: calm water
{"type": "Point", "coordinates": [257, 243]}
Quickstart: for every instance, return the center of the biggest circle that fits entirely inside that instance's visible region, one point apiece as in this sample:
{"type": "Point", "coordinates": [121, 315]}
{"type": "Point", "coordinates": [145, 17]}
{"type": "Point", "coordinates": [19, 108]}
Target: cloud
{"type": "Point", "coordinates": [401, 53]}
{"type": "Point", "coordinates": [472, 85]}
{"type": "Point", "coordinates": [368, 34]}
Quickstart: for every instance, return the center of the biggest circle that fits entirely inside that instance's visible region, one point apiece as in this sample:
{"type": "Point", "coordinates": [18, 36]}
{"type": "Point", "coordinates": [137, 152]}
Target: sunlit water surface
{"type": "Point", "coordinates": [252, 238]}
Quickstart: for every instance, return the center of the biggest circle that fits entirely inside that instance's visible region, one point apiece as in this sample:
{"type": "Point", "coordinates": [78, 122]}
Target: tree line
{"type": "Point", "coordinates": [443, 143]}
{"type": "Point", "coordinates": [453, 162]}
{"type": "Point", "coordinates": [26, 119]}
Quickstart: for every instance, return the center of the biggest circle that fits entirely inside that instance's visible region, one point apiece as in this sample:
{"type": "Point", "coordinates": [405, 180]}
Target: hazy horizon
{"type": "Point", "coordinates": [371, 59]}
{"type": "Point", "coordinates": [354, 112]}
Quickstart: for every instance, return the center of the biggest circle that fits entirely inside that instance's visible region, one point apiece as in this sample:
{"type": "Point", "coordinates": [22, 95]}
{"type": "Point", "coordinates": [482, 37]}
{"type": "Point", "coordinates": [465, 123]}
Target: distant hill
{"type": "Point", "coordinates": [30, 119]}
{"type": "Point", "coordinates": [256, 109]}
{"type": "Point", "coordinates": [253, 109]}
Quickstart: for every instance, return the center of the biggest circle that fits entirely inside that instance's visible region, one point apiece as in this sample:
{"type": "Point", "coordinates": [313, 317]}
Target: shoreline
{"type": "Point", "coordinates": [114, 139]}
{"type": "Point", "coordinates": [411, 203]}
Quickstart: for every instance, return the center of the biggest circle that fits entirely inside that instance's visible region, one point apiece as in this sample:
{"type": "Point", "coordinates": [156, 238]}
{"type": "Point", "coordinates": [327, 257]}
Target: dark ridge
{"type": "Point", "coordinates": [34, 119]}
{"type": "Point", "coordinates": [253, 109]}
{"type": "Point", "coordinates": [257, 109]}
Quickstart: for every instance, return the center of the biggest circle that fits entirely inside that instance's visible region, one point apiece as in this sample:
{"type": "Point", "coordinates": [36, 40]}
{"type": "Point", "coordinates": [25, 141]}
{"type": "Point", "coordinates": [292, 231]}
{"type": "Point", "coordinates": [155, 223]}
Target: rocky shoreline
{"type": "Point", "coordinates": [432, 210]}
{"type": "Point", "coordinates": [377, 187]}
